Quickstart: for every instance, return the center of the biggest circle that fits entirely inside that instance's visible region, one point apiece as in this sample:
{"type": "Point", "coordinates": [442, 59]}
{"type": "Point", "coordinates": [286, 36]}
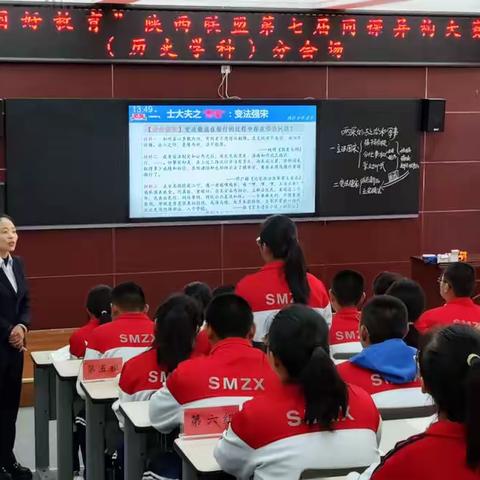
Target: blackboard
{"type": "Point", "coordinates": [67, 161]}
{"type": "Point", "coordinates": [109, 33]}
{"type": "Point", "coordinates": [369, 163]}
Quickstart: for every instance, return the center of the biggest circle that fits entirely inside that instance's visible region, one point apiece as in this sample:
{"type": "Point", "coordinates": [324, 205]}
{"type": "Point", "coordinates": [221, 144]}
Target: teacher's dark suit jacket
{"type": "Point", "coordinates": [14, 306]}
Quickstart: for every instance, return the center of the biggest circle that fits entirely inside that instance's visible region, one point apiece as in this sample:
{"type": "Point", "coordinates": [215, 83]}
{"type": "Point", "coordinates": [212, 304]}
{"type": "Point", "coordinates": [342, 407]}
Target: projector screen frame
{"type": "Point", "coordinates": [231, 102]}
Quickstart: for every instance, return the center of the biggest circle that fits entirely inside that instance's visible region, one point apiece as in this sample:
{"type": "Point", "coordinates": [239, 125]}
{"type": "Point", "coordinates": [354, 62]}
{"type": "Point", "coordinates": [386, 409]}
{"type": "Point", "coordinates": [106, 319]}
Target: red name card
{"type": "Point", "coordinates": [102, 369]}
{"type": "Point", "coordinates": [208, 420]}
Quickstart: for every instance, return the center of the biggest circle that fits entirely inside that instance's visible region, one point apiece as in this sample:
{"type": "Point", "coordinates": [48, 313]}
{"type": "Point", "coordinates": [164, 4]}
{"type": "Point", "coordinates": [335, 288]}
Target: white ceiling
{"type": "Point", "coordinates": [431, 6]}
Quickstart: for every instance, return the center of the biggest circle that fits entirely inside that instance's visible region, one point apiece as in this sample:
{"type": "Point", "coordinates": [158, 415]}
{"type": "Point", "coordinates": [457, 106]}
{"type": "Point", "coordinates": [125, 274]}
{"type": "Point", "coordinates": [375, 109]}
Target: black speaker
{"type": "Point", "coordinates": [433, 115]}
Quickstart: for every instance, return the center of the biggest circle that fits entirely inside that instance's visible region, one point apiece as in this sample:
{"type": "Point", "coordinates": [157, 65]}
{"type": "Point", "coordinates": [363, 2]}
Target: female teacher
{"type": "Point", "coordinates": [14, 322]}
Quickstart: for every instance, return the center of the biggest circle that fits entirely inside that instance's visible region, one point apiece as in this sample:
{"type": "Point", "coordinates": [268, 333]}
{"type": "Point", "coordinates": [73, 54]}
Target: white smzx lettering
{"type": "Point", "coordinates": [294, 419]}
{"type": "Point", "coordinates": [154, 376]}
{"type": "Point", "coordinates": [278, 299]}
{"type": "Point", "coordinates": [232, 383]}
{"type": "Point", "coordinates": [350, 335]}
{"type": "Point", "coordinates": [142, 338]}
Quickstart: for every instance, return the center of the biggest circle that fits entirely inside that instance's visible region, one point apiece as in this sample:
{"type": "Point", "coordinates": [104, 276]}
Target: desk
{"type": "Point", "coordinates": [66, 376]}
{"type": "Point", "coordinates": [394, 431]}
{"type": "Point", "coordinates": [197, 457]}
{"type": "Point", "coordinates": [97, 396]}
{"type": "Point", "coordinates": [427, 276]}
{"type": "Point", "coordinates": [137, 428]}
{"type": "Point", "coordinates": [44, 403]}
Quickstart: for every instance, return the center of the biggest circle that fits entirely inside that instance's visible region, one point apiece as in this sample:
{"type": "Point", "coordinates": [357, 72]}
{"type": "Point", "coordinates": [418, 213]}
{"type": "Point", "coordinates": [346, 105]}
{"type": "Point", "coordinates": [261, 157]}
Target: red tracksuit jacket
{"type": "Point", "coordinates": [384, 394]}
{"type": "Point", "coordinates": [344, 334]}
{"type": "Point", "coordinates": [268, 439]}
{"type": "Point", "coordinates": [234, 372]}
{"type": "Point", "coordinates": [78, 339]}
{"type": "Point", "coordinates": [126, 336]}
{"type": "Point", "coordinates": [267, 292]}
{"type": "Point", "coordinates": [437, 454]}
{"type": "Point", "coordinates": [458, 310]}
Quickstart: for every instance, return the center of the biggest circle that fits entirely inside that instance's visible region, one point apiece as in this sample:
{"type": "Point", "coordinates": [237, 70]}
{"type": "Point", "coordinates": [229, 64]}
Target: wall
{"type": "Point", "coordinates": [62, 265]}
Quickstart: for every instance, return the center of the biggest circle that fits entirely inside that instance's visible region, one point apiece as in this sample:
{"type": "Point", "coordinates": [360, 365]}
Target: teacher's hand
{"type": "Point", "coordinates": [17, 337]}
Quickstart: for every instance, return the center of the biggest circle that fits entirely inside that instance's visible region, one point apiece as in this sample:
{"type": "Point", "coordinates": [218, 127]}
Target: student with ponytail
{"type": "Point", "coordinates": [450, 447]}
{"type": "Point", "coordinates": [283, 279]}
{"type": "Point", "coordinates": [177, 322]}
{"type": "Point", "coordinates": [99, 312]}
{"type": "Point", "coordinates": [313, 421]}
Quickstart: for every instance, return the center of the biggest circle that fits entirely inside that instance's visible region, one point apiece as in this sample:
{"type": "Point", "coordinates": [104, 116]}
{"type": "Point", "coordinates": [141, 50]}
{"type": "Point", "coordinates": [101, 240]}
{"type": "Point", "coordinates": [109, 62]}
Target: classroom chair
{"type": "Point", "coordinates": [319, 473]}
{"type": "Point", "coordinates": [408, 412]}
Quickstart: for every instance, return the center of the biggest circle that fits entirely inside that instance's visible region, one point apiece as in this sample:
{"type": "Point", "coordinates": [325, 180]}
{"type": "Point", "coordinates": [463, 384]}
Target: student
{"type": "Point", "coordinates": [99, 312]}
{"type": "Point", "coordinates": [346, 294]}
{"type": "Point", "coordinates": [383, 281]}
{"type": "Point", "coordinates": [176, 325]}
{"type": "Point", "coordinates": [457, 286]}
{"type": "Point", "coordinates": [313, 421]}
{"type": "Point", "coordinates": [234, 371]}
{"type": "Point", "coordinates": [202, 294]}
{"type": "Point", "coordinates": [386, 368]}
{"type": "Point", "coordinates": [283, 279]}
{"type": "Point", "coordinates": [413, 296]}
{"type": "Point", "coordinates": [220, 290]}
{"type": "Point", "coordinates": [450, 447]}
{"type": "Point", "coordinates": [129, 334]}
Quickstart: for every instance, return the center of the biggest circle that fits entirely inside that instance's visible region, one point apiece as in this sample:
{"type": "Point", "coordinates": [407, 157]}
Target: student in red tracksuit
{"type": "Point", "coordinates": [346, 294]}
{"type": "Point", "coordinates": [283, 279]}
{"type": "Point", "coordinates": [313, 421]}
{"type": "Point", "coordinates": [234, 371]}
{"type": "Point", "coordinates": [413, 296]}
{"type": "Point", "coordinates": [176, 325]}
{"type": "Point", "coordinates": [202, 294]}
{"type": "Point", "coordinates": [450, 447]}
{"type": "Point", "coordinates": [457, 286]}
{"type": "Point", "coordinates": [129, 334]}
{"type": "Point", "coordinates": [386, 368]}
{"type": "Point", "coordinates": [383, 281]}
{"type": "Point", "coordinates": [99, 312]}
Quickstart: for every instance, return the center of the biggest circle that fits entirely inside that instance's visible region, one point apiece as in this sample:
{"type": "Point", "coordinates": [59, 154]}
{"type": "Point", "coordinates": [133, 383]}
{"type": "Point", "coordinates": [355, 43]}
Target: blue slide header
{"type": "Point", "coordinates": [221, 113]}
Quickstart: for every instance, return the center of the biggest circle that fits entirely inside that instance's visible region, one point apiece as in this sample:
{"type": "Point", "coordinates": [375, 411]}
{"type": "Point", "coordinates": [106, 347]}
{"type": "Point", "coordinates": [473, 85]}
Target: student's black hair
{"type": "Point", "coordinates": [279, 234]}
{"type": "Point", "coordinates": [98, 303]}
{"type": "Point", "coordinates": [461, 278]}
{"type": "Point", "coordinates": [450, 368]}
{"type": "Point", "coordinates": [348, 287]}
{"type": "Point", "coordinates": [229, 315]}
{"type": "Point", "coordinates": [413, 296]}
{"type": "Point", "coordinates": [385, 317]}
{"type": "Point", "coordinates": [382, 282]}
{"type": "Point", "coordinates": [220, 290]}
{"type": "Point", "coordinates": [177, 322]}
{"type": "Point", "coordinates": [298, 337]}
{"type": "Point", "coordinates": [129, 297]}
{"type": "Point", "coordinates": [200, 292]}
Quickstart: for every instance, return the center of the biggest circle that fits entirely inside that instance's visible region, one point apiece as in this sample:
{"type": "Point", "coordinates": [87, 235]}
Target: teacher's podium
{"type": "Point", "coordinates": [427, 276]}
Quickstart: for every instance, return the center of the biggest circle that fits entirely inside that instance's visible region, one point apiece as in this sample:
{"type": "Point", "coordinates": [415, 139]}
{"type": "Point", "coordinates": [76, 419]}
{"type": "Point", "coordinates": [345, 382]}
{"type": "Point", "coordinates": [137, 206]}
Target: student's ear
{"type": "Point", "coordinates": [115, 310]}
{"type": "Point", "coordinates": [333, 301]}
{"type": "Point", "coordinates": [252, 331]}
{"type": "Point", "coordinates": [364, 335]}
{"type": "Point", "coordinates": [211, 335]}
{"type": "Point", "coordinates": [146, 308]}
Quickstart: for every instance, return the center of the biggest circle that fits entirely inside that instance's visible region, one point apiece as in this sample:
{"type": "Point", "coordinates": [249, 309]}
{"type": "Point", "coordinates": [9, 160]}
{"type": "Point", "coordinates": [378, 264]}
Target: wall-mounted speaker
{"type": "Point", "coordinates": [433, 114]}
